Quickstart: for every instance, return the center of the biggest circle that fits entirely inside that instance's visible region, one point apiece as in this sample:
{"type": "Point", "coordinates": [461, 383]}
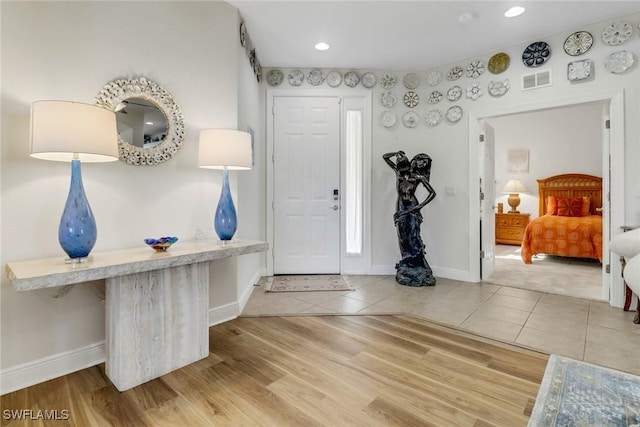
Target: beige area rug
{"type": "Point", "coordinates": [306, 283]}
{"type": "Point", "coordinates": [580, 278]}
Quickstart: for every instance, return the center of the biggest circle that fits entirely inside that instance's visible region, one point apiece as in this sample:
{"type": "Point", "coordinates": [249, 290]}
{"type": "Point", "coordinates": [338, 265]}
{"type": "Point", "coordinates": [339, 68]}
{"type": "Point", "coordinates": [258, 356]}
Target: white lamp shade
{"type": "Point", "coordinates": [224, 149]}
{"type": "Point", "coordinates": [514, 186]}
{"type": "Point", "coordinates": [64, 130]}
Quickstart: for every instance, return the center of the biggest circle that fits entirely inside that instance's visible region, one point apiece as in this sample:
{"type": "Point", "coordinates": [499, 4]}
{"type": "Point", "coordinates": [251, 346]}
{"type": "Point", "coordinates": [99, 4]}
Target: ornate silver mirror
{"type": "Point", "coordinates": [150, 123]}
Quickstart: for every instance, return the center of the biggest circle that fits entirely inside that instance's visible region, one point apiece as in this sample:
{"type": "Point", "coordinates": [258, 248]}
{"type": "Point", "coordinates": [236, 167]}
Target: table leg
{"type": "Point", "coordinates": [157, 322]}
{"type": "Point", "coordinates": [628, 294]}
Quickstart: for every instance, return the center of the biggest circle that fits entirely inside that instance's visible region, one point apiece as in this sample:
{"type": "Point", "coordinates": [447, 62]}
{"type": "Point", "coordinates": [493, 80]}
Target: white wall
{"type": "Point", "coordinates": [565, 140]}
{"type": "Point", "coordinates": [69, 50]}
{"type": "Point", "coordinates": [446, 227]}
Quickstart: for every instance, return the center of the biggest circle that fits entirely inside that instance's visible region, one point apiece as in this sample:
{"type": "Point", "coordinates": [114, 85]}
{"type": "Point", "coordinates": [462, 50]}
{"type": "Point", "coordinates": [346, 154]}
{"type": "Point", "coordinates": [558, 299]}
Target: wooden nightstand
{"type": "Point", "coordinates": [510, 227]}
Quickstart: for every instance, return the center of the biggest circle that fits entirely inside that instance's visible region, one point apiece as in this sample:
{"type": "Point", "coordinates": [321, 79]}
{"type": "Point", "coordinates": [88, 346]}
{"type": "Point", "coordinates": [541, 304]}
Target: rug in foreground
{"type": "Point", "coordinates": [300, 283]}
{"type": "Point", "coordinates": [575, 393]}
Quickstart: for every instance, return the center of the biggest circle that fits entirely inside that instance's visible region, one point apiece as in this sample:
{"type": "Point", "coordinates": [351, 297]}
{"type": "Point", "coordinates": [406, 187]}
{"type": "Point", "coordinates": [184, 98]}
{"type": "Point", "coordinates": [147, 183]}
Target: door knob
{"type": "Point", "coordinates": [334, 207]}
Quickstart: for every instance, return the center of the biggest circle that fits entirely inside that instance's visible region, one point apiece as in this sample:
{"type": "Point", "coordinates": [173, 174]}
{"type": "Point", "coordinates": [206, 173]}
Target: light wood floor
{"type": "Point", "coordinates": [313, 371]}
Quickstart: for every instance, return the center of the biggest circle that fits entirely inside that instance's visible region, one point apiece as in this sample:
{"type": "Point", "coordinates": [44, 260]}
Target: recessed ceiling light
{"type": "Point", "coordinates": [514, 11]}
{"type": "Point", "coordinates": [465, 18]}
{"type": "Point", "coordinates": [322, 46]}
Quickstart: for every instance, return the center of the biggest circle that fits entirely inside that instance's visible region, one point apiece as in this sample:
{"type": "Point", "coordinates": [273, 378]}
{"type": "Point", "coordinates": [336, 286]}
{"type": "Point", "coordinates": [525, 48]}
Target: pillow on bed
{"type": "Point", "coordinates": [586, 204]}
{"type": "Point", "coordinates": [572, 206]}
{"type": "Point", "coordinates": [552, 205]}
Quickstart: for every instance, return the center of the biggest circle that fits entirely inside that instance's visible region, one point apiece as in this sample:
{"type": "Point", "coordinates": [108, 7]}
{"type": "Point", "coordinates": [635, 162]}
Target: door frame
{"type": "Point", "coordinates": [612, 284]}
{"type": "Point", "coordinates": [487, 254]}
{"type": "Point", "coordinates": [349, 264]}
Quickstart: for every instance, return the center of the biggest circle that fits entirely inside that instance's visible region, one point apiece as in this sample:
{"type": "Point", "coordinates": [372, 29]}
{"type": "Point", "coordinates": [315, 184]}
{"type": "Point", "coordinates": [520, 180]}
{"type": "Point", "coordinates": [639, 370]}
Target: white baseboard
{"type": "Point", "coordinates": [223, 313]}
{"type": "Point", "coordinates": [230, 311]}
{"type": "Point", "coordinates": [383, 270]}
{"type": "Point", "coordinates": [50, 367]}
{"type": "Point", "coordinates": [450, 273]}
{"type": "Point", "coordinates": [249, 287]}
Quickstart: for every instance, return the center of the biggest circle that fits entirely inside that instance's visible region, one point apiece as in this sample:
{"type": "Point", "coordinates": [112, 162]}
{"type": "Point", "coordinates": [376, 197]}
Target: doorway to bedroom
{"type": "Point", "coordinates": [548, 142]}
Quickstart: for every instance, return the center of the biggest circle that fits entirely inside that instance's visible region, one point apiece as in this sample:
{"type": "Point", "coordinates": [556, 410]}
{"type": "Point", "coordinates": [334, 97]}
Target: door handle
{"type": "Point", "coordinates": [334, 207]}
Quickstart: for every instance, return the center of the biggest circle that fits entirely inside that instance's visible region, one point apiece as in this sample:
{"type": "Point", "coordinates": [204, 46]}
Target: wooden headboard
{"type": "Point", "coordinates": [571, 185]}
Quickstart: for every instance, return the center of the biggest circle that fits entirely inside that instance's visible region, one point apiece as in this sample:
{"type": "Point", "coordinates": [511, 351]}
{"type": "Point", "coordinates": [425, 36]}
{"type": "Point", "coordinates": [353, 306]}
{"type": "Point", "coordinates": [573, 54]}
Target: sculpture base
{"type": "Point", "coordinates": [414, 271]}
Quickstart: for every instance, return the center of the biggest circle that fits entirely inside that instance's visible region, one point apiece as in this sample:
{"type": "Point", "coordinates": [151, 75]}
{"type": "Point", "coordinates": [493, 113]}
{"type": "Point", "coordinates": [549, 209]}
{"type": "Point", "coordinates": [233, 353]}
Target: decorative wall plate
{"type": "Point", "coordinates": [474, 91]}
{"type": "Point", "coordinates": [388, 118]}
{"type": "Point", "coordinates": [257, 70]}
{"type": "Point", "coordinates": [388, 80]}
{"type": "Point", "coordinates": [454, 114]}
{"type": "Point", "coordinates": [315, 77]}
{"type": "Point", "coordinates": [434, 78]}
{"type": "Point", "coordinates": [368, 80]}
{"type": "Point", "coordinates": [433, 117]}
{"type": "Point", "coordinates": [536, 54]}
{"type": "Point", "coordinates": [454, 93]}
{"type": "Point", "coordinates": [410, 119]}
{"type": "Point", "coordinates": [411, 99]}
{"type": "Point", "coordinates": [578, 43]}
{"type": "Point", "coordinates": [275, 77]}
{"type": "Point", "coordinates": [296, 77]}
{"type": "Point", "coordinates": [434, 97]}
{"type": "Point", "coordinates": [499, 88]}
{"type": "Point", "coordinates": [619, 62]}
{"type": "Point", "coordinates": [475, 69]}
{"type": "Point", "coordinates": [351, 79]}
{"type": "Point", "coordinates": [617, 33]}
{"type": "Point", "coordinates": [498, 63]}
{"type": "Point", "coordinates": [579, 70]}
{"type": "Point", "coordinates": [455, 73]}
{"type": "Point", "coordinates": [388, 99]}
{"type": "Point", "coordinates": [248, 45]}
{"type": "Point", "coordinates": [411, 81]}
{"type": "Point", "coordinates": [243, 34]}
{"type": "Point", "coordinates": [334, 78]}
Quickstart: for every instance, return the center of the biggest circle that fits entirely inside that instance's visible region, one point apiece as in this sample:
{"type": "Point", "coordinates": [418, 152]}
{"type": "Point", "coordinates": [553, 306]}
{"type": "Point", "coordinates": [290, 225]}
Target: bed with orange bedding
{"type": "Point", "coordinates": [569, 222]}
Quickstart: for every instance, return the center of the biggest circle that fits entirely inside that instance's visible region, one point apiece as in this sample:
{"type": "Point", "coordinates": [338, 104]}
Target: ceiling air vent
{"type": "Point", "coordinates": [536, 80]}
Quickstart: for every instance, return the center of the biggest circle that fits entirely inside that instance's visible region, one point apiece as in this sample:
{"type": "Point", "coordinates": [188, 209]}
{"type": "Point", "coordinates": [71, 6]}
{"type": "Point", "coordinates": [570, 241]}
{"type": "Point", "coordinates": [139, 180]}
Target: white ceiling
{"type": "Point", "coordinates": [407, 34]}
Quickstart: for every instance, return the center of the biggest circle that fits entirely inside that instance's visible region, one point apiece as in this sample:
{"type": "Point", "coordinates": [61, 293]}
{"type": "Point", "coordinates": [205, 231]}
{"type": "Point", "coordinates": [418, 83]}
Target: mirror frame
{"type": "Point", "coordinates": [116, 91]}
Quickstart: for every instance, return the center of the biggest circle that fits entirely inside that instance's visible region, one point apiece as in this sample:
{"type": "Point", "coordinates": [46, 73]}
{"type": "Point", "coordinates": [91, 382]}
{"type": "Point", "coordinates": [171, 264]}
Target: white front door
{"type": "Point", "coordinates": [306, 185]}
{"type": "Point", "coordinates": [488, 191]}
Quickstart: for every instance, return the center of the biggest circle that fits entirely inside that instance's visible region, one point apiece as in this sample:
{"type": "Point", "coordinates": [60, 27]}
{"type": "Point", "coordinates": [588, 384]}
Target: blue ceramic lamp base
{"type": "Point", "coordinates": [77, 232]}
{"type": "Point", "coordinates": [225, 221]}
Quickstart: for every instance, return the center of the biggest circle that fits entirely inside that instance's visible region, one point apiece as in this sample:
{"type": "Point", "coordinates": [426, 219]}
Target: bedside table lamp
{"type": "Point", "coordinates": [68, 131]}
{"type": "Point", "coordinates": [513, 188]}
{"type": "Point", "coordinates": [225, 149]}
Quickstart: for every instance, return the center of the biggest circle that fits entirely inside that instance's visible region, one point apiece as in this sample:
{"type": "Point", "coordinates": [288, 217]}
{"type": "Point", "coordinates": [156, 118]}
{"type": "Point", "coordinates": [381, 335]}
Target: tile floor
{"type": "Point", "coordinates": [582, 329]}
{"type": "Point", "coordinates": [548, 274]}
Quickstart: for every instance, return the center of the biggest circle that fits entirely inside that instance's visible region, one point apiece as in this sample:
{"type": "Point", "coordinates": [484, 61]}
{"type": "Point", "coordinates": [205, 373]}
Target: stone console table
{"type": "Point", "coordinates": [156, 303]}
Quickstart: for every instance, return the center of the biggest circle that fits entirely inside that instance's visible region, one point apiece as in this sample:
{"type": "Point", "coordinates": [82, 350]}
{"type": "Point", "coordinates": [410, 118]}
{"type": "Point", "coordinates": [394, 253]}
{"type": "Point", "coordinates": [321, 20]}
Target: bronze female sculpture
{"type": "Point", "coordinates": [413, 269]}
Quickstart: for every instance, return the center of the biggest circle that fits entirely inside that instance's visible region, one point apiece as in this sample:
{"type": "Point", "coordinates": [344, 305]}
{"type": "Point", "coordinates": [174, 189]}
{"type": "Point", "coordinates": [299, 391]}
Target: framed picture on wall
{"type": "Point", "coordinates": [518, 161]}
